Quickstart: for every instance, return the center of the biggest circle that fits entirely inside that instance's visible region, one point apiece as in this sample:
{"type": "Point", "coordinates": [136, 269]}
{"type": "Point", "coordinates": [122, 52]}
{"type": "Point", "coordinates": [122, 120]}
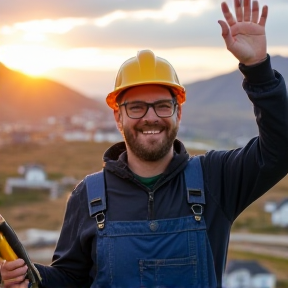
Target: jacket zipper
{"type": "Point", "coordinates": [151, 205]}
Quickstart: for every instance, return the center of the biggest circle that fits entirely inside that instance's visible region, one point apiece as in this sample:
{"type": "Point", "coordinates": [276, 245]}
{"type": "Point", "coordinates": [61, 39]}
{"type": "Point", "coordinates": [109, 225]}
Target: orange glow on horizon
{"type": "Point", "coordinates": [29, 59]}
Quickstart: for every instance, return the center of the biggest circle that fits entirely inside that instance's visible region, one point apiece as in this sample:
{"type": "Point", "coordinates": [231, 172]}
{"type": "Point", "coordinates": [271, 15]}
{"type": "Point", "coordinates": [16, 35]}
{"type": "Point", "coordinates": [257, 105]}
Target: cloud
{"type": "Point", "coordinates": [122, 23]}
{"type": "Point", "coordinates": [170, 12]}
{"type": "Point", "coordinates": [152, 33]}
{"type": "Point", "coordinates": [169, 26]}
{"type": "Point", "coordinates": [25, 10]}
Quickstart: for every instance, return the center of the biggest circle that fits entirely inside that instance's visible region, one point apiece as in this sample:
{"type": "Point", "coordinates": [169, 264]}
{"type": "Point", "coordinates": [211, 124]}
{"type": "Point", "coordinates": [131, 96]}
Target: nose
{"type": "Point", "coordinates": [150, 114]}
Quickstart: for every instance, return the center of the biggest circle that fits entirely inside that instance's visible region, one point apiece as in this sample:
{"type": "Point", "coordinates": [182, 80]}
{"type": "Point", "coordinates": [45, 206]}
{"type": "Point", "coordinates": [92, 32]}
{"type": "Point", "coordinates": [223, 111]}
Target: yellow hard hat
{"type": "Point", "coordinates": [146, 68]}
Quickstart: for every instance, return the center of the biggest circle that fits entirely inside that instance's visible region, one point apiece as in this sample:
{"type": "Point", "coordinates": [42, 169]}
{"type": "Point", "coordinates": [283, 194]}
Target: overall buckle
{"type": "Point", "coordinates": [197, 210]}
{"type": "Point", "coordinates": [100, 219]}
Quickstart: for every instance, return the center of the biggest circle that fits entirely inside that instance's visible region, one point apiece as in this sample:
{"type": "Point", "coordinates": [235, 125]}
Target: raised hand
{"type": "Point", "coordinates": [245, 35]}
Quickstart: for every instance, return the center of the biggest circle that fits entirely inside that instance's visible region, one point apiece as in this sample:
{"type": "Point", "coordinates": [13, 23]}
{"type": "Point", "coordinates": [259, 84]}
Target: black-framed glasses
{"type": "Point", "coordinates": [138, 109]}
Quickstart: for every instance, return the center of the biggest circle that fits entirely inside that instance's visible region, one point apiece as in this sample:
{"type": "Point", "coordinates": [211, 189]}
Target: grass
{"type": "Point", "coordinates": [60, 158]}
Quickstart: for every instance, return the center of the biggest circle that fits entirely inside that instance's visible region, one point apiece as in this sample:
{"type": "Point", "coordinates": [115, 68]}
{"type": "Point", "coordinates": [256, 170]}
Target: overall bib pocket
{"type": "Point", "coordinates": [182, 272]}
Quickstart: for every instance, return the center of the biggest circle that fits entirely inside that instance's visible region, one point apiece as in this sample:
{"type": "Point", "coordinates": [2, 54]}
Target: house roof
{"type": "Point", "coordinates": [23, 168]}
{"type": "Point", "coordinates": [26, 168]}
{"type": "Point", "coordinates": [252, 266]}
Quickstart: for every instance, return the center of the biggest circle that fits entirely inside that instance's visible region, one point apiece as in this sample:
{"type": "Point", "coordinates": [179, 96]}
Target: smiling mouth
{"type": "Point", "coordinates": [151, 132]}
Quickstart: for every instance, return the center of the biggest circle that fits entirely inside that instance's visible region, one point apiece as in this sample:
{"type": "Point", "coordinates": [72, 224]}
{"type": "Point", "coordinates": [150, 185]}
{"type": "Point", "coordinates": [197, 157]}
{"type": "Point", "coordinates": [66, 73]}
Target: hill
{"type": "Point", "coordinates": [30, 100]}
{"type": "Point", "coordinates": [219, 108]}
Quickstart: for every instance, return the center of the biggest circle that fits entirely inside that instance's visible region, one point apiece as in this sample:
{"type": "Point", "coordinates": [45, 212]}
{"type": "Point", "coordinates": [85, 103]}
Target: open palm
{"type": "Point", "coordinates": [245, 36]}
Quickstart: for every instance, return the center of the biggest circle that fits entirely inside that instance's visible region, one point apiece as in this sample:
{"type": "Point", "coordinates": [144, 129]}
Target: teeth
{"type": "Point", "coordinates": [151, 132]}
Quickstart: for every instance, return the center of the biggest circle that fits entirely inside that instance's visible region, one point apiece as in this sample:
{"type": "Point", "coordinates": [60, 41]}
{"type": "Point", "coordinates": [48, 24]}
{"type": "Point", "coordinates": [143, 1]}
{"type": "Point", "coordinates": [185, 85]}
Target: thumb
{"type": "Point", "coordinates": [226, 33]}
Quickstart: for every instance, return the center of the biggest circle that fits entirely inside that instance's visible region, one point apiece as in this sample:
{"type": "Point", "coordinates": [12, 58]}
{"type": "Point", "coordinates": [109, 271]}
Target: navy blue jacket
{"type": "Point", "coordinates": [233, 180]}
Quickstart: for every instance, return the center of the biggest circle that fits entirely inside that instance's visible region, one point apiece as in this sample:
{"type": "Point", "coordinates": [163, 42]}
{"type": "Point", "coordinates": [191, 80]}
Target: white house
{"type": "Point", "coordinates": [247, 274]}
{"type": "Point", "coordinates": [34, 178]}
{"type": "Point", "coordinates": [77, 135]}
{"type": "Point", "coordinates": [270, 206]}
{"type": "Point", "coordinates": [279, 214]}
{"type": "Point", "coordinates": [109, 136]}
{"type": "Point", "coordinates": [38, 237]}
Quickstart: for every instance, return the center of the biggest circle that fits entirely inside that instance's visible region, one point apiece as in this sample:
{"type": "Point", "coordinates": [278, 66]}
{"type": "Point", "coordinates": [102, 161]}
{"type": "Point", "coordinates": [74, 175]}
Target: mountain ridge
{"type": "Point", "coordinates": [28, 99]}
{"type": "Point", "coordinates": [219, 107]}
{"type": "Point", "coordinates": [215, 108]}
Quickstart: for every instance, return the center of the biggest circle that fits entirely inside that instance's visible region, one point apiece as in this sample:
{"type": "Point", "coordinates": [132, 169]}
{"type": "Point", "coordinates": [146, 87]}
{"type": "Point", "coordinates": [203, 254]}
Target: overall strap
{"type": "Point", "coordinates": [194, 181]}
{"type": "Point", "coordinates": [195, 186]}
{"type": "Point", "coordinates": [95, 186]}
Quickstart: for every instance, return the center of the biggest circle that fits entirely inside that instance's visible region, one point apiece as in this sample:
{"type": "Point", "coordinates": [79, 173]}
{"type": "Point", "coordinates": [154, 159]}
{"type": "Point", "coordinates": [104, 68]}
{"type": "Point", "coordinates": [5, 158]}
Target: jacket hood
{"type": "Point", "coordinates": [115, 160]}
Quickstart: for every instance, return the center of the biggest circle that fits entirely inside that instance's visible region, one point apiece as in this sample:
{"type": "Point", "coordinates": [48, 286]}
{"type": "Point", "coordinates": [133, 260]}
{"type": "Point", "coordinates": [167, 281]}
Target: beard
{"type": "Point", "coordinates": [153, 151]}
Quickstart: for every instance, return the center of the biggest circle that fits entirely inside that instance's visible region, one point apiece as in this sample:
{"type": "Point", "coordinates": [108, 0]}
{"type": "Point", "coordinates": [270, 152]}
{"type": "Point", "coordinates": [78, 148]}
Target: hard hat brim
{"type": "Point", "coordinates": [178, 91]}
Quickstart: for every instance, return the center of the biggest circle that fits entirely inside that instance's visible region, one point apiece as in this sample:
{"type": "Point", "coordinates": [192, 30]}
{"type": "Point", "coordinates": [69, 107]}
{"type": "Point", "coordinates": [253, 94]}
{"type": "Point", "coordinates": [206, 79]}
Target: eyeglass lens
{"type": "Point", "coordinates": [163, 108]}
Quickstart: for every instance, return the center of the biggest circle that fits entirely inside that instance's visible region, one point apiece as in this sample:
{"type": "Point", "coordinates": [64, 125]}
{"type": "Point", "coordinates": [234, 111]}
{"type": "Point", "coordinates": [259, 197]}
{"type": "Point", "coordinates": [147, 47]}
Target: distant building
{"type": "Point", "coordinates": [34, 178]}
{"type": "Point", "coordinates": [107, 134]}
{"type": "Point", "coordinates": [248, 274]}
{"type": "Point", "coordinates": [279, 214]}
{"type": "Point", "coordinates": [270, 206]}
{"type": "Point", "coordinates": [77, 135]}
{"type": "Point", "coordinates": [111, 137]}
{"type": "Point", "coordinates": [38, 237]}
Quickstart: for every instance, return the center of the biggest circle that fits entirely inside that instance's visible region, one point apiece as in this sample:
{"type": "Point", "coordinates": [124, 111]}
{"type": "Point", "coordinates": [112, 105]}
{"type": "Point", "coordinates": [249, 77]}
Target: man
{"type": "Point", "coordinates": [145, 233]}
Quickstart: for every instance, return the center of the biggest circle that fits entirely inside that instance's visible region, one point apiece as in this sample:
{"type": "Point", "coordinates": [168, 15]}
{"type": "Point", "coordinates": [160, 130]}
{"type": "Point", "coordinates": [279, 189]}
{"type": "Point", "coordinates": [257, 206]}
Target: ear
{"type": "Point", "coordinates": [117, 116]}
{"type": "Point", "coordinates": [179, 112]}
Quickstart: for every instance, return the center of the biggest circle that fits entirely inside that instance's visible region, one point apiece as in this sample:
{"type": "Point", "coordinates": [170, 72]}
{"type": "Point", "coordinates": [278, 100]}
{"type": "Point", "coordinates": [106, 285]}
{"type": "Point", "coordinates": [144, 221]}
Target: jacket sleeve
{"type": "Point", "coordinates": [72, 263]}
{"type": "Point", "coordinates": [238, 177]}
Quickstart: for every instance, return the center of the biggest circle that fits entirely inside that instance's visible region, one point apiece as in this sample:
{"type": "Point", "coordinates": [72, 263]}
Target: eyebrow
{"type": "Point", "coordinates": [141, 101]}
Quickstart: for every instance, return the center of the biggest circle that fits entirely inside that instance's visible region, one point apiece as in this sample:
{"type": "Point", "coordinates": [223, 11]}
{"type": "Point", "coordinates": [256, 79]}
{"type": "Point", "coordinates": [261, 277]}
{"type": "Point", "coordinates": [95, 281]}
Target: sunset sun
{"type": "Point", "coordinates": [30, 59]}
{"type": "Point", "coordinates": [30, 50]}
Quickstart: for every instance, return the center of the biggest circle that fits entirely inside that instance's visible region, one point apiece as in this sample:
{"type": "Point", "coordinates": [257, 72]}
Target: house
{"type": "Point", "coordinates": [38, 237]}
{"type": "Point", "coordinates": [247, 274]}
{"type": "Point", "coordinates": [34, 178]}
{"type": "Point", "coordinates": [270, 206]}
{"type": "Point", "coordinates": [77, 135]}
{"type": "Point", "coordinates": [109, 134]}
{"type": "Point", "coordinates": [279, 214]}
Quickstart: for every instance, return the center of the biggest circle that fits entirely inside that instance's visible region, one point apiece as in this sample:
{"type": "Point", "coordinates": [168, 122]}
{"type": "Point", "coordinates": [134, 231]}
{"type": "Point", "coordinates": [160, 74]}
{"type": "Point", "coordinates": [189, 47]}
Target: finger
{"type": "Point", "coordinates": [23, 284]}
{"type": "Point", "coordinates": [11, 265]}
{"type": "Point", "coordinates": [227, 14]}
{"type": "Point", "coordinates": [238, 10]}
{"type": "Point", "coordinates": [264, 16]}
{"type": "Point", "coordinates": [255, 11]}
{"type": "Point", "coordinates": [14, 280]}
{"type": "Point", "coordinates": [247, 10]}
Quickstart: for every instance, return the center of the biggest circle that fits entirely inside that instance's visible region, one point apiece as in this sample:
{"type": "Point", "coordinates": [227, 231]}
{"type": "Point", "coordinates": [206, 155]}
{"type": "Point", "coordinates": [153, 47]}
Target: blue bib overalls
{"type": "Point", "coordinates": [153, 253]}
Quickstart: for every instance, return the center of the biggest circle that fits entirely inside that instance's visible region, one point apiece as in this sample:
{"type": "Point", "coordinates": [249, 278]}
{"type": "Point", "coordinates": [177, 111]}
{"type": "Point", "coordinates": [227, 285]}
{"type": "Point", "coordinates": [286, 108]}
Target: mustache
{"type": "Point", "coordinates": [152, 126]}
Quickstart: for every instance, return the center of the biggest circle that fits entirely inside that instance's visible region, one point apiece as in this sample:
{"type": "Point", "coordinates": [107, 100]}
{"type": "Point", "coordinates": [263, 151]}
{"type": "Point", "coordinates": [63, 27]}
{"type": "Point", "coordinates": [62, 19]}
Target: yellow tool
{"type": "Point", "coordinates": [6, 252]}
{"type": "Point", "coordinates": [11, 249]}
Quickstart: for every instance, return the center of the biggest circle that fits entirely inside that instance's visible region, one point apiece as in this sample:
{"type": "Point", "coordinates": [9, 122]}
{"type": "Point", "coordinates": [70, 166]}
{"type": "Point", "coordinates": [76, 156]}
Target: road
{"type": "Point", "coordinates": [271, 245]}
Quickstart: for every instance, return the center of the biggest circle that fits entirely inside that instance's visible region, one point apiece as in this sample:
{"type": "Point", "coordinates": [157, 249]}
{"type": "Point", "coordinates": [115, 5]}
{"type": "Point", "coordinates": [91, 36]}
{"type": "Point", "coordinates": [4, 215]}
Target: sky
{"type": "Point", "coordinates": [82, 43]}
